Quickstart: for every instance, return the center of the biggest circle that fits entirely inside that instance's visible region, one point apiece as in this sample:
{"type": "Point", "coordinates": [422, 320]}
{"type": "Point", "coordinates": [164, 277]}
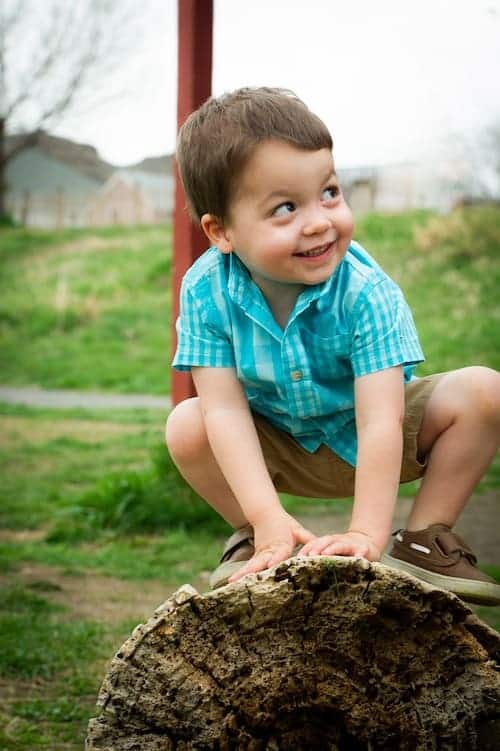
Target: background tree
{"type": "Point", "coordinates": [492, 157]}
{"type": "Point", "coordinates": [56, 58]}
{"type": "Point", "coordinates": [475, 157]}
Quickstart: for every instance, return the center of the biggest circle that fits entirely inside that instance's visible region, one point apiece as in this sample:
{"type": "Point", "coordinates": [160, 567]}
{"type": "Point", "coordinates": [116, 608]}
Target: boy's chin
{"type": "Point", "coordinates": [320, 278]}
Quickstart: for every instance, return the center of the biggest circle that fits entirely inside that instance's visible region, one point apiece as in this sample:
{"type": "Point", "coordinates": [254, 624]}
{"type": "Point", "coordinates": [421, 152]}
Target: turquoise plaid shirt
{"type": "Point", "coordinates": [301, 379]}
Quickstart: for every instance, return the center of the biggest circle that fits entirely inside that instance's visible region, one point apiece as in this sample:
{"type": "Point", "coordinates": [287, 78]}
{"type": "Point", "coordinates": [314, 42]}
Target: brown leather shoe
{"type": "Point", "coordinates": [237, 551]}
{"type": "Point", "coordinates": [439, 556]}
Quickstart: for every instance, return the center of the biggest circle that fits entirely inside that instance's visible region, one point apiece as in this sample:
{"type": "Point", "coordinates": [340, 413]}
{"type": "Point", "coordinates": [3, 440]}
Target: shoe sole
{"type": "Point", "coordinates": [477, 592]}
{"type": "Point", "coordinates": [223, 572]}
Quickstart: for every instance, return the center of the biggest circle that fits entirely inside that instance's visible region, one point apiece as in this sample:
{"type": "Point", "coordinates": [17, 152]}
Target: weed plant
{"type": "Point", "coordinates": [154, 500]}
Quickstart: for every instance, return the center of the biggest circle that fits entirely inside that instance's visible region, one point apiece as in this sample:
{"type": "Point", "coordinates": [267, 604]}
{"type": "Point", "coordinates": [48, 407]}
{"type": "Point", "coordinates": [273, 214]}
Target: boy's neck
{"type": "Point", "coordinates": [281, 298]}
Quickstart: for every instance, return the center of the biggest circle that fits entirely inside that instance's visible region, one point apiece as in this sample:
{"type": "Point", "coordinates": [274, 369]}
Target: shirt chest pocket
{"type": "Point", "coordinates": [330, 357]}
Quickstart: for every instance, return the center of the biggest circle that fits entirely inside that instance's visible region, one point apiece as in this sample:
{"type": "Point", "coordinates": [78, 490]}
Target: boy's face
{"type": "Point", "coordinates": [288, 222]}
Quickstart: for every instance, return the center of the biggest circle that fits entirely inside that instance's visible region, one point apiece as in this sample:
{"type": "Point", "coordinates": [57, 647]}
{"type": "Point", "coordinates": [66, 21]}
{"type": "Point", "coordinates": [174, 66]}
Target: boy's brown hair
{"type": "Point", "coordinates": [217, 140]}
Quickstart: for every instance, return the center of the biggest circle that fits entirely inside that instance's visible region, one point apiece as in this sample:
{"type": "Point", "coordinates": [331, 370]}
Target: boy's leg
{"type": "Point", "coordinates": [188, 444]}
{"type": "Point", "coordinates": [459, 436]}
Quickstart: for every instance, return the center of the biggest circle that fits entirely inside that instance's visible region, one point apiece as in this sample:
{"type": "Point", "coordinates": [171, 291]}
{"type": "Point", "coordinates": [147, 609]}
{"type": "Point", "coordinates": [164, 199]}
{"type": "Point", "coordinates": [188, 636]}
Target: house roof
{"type": "Point", "coordinates": [144, 179]}
{"type": "Point", "coordinates": [86, 158]}
{"type": "Point", "coordinates": [161, 165]}
{"type": "Point", "coordinates": [81, 156]}
{"type": "Point", "coordinates": [157, 187]}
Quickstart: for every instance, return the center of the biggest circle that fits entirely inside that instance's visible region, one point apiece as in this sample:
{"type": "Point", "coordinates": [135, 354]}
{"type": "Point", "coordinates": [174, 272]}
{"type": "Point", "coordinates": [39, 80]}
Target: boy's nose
{"type": "Point", "coordinates": [316, 223]}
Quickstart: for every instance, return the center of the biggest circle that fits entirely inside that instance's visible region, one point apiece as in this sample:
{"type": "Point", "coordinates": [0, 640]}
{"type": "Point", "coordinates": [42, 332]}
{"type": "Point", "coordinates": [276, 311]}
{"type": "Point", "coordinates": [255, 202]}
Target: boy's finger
{"type": "Point", "coordinates": [339, 548]}
{"type": "Point", "coordinates": [259, 562]}
{"type": "Point", "coordinates": [316, 546]}
{"type": "Point", "coordinates": [305, 550]}
{"type": "Point", "coordinates": [278, 557]}
{"type": "Point", "coordinates": [305, 535]}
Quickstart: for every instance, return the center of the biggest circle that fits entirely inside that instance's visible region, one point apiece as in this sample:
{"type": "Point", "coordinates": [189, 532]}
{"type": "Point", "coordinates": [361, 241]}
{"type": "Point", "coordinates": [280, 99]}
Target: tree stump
{"type": "Point", "coordinates": [320, 653]}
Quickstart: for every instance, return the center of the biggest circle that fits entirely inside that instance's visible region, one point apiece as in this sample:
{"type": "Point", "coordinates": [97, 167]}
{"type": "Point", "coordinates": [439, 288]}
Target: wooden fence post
{"type": "Point", "coordinates": [194, 87]}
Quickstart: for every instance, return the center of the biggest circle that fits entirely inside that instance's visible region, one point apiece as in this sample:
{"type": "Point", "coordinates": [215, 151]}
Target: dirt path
{"type": "Point", "coordinates": [33, 396]}
{"type": "Point", "coordinates": [91, 596]}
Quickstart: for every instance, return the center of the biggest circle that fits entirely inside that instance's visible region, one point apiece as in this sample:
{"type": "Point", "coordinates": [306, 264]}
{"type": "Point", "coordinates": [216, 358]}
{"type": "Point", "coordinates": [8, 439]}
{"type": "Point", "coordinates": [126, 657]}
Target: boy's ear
{"type": "Point", "coordinates": [216, 232]}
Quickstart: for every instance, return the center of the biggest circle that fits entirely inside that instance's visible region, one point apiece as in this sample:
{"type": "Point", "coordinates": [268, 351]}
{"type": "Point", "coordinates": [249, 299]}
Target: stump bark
{"type": "Point", "coordinates": [324, 653]}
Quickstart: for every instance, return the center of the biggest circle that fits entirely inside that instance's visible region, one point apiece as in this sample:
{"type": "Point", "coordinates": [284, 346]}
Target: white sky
{"type": "Point", "coordinates": [389, 77]}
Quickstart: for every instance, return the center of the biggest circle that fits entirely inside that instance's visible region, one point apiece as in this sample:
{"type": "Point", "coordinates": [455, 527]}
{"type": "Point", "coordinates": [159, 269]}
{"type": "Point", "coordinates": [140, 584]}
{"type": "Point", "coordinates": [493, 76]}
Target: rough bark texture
{"type": "Point", "coordinates": [322, 653]}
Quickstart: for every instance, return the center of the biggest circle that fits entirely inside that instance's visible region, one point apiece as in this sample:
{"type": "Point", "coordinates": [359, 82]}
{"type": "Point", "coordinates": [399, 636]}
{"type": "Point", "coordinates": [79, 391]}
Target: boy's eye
{"type": "Point", "coordinates": [284, 209]}
{"type": "Point", "coordinates": [331, 192]}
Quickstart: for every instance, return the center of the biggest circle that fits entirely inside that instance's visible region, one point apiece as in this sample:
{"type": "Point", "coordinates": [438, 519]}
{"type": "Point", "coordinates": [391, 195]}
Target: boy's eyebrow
{"type": "Point", "coordinates": [285, 191]}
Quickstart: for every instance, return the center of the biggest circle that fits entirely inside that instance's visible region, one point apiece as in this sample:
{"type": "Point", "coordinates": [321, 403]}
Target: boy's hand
{"type": "Point", "coordinates": [357, 544]}
{"type": "Point", "coordinates": [276, 536]}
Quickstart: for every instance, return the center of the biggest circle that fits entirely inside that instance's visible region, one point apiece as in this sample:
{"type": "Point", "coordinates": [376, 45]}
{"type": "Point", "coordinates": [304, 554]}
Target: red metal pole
{"type": "Point", "coordinates": [194, 87]}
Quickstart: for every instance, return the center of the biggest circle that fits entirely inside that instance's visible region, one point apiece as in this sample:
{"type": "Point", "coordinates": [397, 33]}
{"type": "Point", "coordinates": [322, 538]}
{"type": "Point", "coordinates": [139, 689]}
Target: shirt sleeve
{"type": "Point", "coordinates": [201, 339]}
{"type": "Point", "coordinates": [384, 332]}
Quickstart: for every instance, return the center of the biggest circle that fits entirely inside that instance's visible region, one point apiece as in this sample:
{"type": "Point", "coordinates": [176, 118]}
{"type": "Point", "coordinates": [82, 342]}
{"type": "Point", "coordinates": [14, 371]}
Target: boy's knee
{"type": "Point", "coordinates": [483, 389]}
{"type": "Point", "coordinates": [185, 430]}
{"type": "Point", "coordinates": [489, 393]}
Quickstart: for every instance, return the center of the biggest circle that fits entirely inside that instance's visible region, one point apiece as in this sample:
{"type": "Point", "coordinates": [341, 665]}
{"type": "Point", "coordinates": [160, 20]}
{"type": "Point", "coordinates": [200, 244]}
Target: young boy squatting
{"type": "Point", "coordinates": [302, 351]}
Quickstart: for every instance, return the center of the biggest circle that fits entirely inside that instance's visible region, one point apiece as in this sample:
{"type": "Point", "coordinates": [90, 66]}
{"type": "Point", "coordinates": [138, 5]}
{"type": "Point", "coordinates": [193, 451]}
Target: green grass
{"type": "Point", "coordinates": [52, 664]}
{"type": "Point", "coordinates": [104, 493]}
{"type": "Point", "coordinates": [56, 465]}
{"type": "Point", "coordinates": [449, 270]}
{"type": "Point", "coordinates": [144, 501]}
{"type": "Point", "coordinates": [175, 557]}
{"type": "Point", "coordinates": [86, 309]}
{"type": "Point", "coordinates": [47, 460]}
{"type": "Point", "coordinates": [63, 470]}
{"type": "Point", "coordinates": [36, 644]}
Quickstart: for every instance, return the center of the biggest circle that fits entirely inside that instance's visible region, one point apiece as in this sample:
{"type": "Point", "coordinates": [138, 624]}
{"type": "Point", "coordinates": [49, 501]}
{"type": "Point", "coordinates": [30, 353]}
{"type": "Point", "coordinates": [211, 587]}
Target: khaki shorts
{"type": "Point", "coordinates": [323, 474]}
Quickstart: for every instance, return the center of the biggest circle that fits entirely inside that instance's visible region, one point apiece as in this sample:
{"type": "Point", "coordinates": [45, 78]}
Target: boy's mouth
{"type": "Point", "coordinates": [315, 252]}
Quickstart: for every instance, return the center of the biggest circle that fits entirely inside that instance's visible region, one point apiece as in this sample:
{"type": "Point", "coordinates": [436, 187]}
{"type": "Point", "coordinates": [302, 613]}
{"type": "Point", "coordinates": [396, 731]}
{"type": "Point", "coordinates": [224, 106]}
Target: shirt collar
{"type": "Point", "coordinates": [245, 293]}
{"type": "Point", "coordinates": [239, 283]}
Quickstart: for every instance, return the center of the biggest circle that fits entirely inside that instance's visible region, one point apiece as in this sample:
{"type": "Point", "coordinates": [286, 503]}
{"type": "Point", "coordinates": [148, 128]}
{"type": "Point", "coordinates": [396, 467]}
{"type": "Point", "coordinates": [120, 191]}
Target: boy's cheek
{"type": "Point", "coordinates": [349, 221]}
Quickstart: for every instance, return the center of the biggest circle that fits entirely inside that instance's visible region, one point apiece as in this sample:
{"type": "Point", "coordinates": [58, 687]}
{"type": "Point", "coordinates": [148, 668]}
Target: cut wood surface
{"type": "Point", "coordinates": [320, 653]}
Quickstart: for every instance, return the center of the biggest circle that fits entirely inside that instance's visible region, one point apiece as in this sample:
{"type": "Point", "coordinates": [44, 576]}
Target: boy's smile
{"type": "Point", "coordinates": [288, 221]}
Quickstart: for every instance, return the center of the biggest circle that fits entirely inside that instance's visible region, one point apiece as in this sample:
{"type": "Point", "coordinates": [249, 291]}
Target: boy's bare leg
{"type": "Point", "coordinates": [187, 442]}
{"type": "Point", "coordinates": [460, 434]}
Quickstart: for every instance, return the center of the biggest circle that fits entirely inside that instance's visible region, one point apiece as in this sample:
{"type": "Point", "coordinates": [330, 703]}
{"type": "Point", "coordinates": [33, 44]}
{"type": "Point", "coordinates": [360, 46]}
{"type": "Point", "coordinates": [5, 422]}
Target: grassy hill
{"type": "Point", "coordinates": [86, 309]}
{"type": "Point", "coordinates": [90, 309]}
{"type": "Point", "coordinates": [449, 269]}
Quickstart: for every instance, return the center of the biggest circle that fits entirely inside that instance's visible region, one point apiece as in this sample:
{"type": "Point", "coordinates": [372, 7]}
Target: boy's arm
{"type": "Point", "coordinates": [379, 405]}
{"type": "Point", "coordinates": [234, 442]}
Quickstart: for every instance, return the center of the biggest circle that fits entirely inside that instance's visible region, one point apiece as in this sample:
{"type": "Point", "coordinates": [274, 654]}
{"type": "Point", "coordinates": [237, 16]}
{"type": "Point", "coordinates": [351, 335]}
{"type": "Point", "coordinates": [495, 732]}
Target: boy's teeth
{"type": "Point", "coordinates": [316, 252]}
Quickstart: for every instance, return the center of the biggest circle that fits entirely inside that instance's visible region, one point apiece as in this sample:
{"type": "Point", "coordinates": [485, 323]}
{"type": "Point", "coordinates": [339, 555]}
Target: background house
{"type": "Point", "coordinates": [50, 184]}
{"type": "Point", "coordinates": [132, 197]}
{"type": "Point", "coordinates": [439, 183]}
{"type": "Point", "coordinates": [59, 183]}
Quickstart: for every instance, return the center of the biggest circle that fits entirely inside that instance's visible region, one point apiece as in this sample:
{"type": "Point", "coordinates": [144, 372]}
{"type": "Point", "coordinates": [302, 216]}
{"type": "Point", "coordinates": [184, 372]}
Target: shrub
{"type": "Point", "coordinates": [7, 220]}
{"type": "Point", "coordinates": [152, 501]}
{"type": "Point", "coordinates": [463, 235]}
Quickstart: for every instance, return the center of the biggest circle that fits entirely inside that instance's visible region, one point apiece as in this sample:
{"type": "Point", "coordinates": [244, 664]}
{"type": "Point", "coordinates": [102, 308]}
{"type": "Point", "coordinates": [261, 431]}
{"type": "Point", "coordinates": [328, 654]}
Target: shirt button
{"type": "Point", "coordinates": [296, 375]}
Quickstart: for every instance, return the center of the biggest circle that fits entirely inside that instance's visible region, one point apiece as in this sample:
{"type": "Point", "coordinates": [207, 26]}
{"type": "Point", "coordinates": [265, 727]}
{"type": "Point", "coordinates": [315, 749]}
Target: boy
{"type": "Point", "coordinates": [302, 352]}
